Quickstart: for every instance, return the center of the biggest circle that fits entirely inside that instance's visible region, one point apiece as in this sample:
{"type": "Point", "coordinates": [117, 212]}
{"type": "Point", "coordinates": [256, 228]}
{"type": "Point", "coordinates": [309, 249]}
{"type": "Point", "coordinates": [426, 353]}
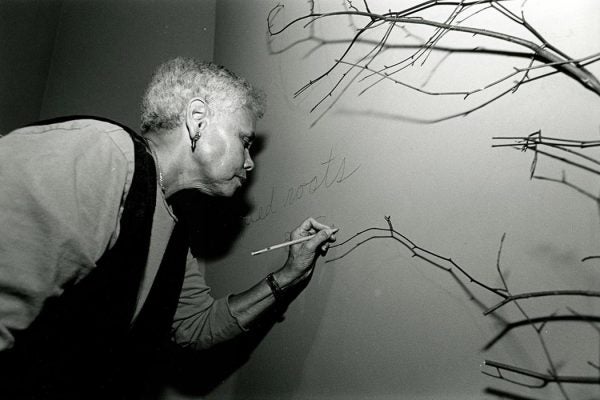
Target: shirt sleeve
{"type": "Point", "coordinates": [62, 191]}
{"type": "Point", "coordinates": [200, 320]}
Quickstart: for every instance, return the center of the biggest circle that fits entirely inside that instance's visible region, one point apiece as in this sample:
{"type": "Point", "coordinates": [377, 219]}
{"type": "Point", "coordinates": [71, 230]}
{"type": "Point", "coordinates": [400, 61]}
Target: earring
{"type": "Point", "coordinates": [194, 140]}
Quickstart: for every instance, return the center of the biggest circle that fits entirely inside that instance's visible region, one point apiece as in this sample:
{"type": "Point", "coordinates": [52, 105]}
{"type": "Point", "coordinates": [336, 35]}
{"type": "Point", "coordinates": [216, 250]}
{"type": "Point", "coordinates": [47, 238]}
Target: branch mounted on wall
{"type": "Point", "coordinates": [364, 62]}
{"type": "Point", "coordinates": [460, 273]}
{"type": "Point", "coordinates": [358, 62]}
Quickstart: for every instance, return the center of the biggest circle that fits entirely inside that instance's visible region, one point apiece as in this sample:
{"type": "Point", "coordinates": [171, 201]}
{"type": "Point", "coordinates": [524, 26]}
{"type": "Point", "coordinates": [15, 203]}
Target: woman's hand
{"type": "Point", "coordinates": [302, 256]}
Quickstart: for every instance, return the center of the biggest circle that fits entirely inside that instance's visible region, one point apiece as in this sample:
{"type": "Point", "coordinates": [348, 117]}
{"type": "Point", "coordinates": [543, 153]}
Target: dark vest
{"type": "Point", "coordinates": [83, 344]}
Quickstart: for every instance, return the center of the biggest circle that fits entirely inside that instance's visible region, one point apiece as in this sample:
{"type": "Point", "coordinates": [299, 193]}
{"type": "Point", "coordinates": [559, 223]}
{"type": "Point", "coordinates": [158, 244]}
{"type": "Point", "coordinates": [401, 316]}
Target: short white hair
{"type": "Point", "coordinates": [177, 81]}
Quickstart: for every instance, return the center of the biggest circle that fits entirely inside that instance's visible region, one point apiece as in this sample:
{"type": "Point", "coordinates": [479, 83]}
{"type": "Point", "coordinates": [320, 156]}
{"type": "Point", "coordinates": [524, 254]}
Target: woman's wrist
{"type": "Point", "coordinates": [284, 278]}
{"type": "Point", "coordinates": [276, 289]}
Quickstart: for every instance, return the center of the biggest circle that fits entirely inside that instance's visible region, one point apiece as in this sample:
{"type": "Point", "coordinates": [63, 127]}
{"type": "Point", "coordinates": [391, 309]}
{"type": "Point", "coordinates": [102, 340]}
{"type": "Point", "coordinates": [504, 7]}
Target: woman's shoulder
{"type": "Point", "coordinates": [73, 135]}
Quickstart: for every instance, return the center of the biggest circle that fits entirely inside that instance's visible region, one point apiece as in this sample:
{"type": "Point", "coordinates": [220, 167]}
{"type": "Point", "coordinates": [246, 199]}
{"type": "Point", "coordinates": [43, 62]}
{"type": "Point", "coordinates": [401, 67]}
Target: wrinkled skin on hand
{"type": "Point", "coordinates": [303, 256]}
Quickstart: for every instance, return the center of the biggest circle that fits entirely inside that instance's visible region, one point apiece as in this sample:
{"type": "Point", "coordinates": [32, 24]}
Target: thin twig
{"type": "Point", "coordinates": [544, 379]}
{"type": "Point", "coordinates": [548, 293]}
{"type": "Point", "coordinates": [537, 329]}
{"type": "Point", "coordinates": [544, 51]}
{"type": "Point", "coordinates": [444, 263]}
{"type": "Point", "coordinates": [545, 319]}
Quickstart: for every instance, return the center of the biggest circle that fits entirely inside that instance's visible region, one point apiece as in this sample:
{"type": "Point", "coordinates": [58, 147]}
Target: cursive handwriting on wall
{"type": "Point", "coordinates": [335, 170]}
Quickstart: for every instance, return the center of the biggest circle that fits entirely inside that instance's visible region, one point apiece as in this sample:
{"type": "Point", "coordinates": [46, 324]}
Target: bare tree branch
{"type": "Point", "coordinates": [544, 379]}
{"type": "Point", "coordinates": [535, 140]}
{"type": "Point", "coordinates": [538, 329]}
{"type": "Point", "coordinates": [548, 293]}
{"type": "Point", "coordinates": [537, 320]}
{"type": "Point", "coordinates": [538, 323]}
{"type": "Point", "coordinates": [444, 263]}
{"type": "Point", "coordinates": [543, 51]}
{"type": "Point", "coordinates": [541, 54]}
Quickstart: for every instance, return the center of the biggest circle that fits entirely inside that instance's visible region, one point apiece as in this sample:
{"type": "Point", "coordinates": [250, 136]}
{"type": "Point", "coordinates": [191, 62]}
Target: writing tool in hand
{"type": "Point", "coordinates": [288, 243]}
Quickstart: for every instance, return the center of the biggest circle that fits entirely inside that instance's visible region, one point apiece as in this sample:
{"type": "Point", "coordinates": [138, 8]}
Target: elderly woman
{"type": "Point", "coordinates": [96, 273]}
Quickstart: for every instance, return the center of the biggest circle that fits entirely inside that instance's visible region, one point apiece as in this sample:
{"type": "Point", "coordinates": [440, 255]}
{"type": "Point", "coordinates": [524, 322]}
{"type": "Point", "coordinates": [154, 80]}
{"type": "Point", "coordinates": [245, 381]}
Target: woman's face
{"type": "Point", "coordinates": [222, 152]}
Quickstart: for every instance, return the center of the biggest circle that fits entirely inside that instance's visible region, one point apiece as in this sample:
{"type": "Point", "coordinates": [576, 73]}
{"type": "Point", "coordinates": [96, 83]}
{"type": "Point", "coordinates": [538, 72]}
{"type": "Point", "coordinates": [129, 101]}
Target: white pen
{"type": "Point", "coordinates": [289, 243]}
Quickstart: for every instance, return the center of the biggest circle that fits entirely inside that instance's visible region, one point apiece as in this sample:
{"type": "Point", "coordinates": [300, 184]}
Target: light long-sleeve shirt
{"type": "Point", "coordinates": [62, 191]}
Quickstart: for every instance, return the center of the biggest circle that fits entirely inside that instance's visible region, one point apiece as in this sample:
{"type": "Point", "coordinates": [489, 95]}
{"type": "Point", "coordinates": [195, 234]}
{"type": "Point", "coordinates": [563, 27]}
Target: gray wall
{"type": "Point", "coordinates": [92, 57]}
{"type": "Point", "coordinates": [106, 51]}
{"type": "Point", "coordinates": [28, 30]}
{"type": "Point", "coordinates": [378, 323]}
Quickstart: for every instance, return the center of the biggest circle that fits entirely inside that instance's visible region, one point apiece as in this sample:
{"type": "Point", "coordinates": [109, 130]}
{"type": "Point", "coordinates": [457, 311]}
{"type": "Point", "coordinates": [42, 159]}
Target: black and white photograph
{"type": "Point", "coordinates": [299, 200]}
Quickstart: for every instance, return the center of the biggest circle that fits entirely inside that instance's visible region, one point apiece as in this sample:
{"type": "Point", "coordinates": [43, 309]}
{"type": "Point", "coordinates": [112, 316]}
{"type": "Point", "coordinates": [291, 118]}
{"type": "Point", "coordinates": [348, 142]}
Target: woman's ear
{"type": "Point", "coordinates": [196, 117]}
